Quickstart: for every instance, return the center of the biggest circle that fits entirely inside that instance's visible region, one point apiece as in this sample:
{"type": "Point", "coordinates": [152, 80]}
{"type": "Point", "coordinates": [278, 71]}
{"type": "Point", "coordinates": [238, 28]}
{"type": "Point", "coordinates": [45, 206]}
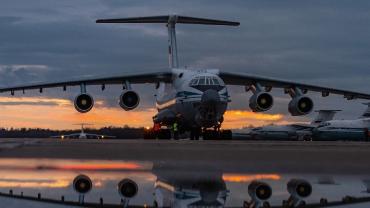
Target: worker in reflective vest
{"type": "Point", "coordinates": [175, 129]}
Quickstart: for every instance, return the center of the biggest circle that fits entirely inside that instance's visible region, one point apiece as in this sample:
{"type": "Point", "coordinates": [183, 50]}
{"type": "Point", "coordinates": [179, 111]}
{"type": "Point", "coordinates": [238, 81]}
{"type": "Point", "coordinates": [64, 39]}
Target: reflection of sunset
{"type": "Point", "coordinates": [45, 173]}
{"type": "Point", "coordinates": [114, 166]}
{"type": "Point", "coordinates": [248, 178]}
{"type": "Point", "coordinates": [50, 113]}
{"type": "Point", "coordinates": [32, 184]}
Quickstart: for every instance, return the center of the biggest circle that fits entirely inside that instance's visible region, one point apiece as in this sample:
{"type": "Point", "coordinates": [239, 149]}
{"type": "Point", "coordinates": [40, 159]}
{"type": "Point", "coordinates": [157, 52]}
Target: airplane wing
{"type": "Point", "coordinates": [233, 78]}
{"type": "Point", "coordinates": [100, 136]}
{"type": "Point", "coordinates": [66, 135]}
{"type": "Point", "coordinates": [132, 78]}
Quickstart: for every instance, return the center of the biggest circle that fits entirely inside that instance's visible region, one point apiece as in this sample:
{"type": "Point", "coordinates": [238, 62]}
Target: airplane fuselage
{"type": "Point", "coordinates": [195, 98]}
{"type": "Point", "coordinates": [343, 130]}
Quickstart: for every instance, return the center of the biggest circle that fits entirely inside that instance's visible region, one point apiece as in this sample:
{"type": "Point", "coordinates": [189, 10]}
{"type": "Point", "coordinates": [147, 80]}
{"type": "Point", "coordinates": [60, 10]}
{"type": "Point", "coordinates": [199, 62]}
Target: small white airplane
{"type": "Point", "coordinates": [82, 134]}
{"type": "Point", "coordinates": [298, 131]}
{"type": "Point", "coordinates": [196, 98]}
{"type": "Point", "coordinates": [356, 129]}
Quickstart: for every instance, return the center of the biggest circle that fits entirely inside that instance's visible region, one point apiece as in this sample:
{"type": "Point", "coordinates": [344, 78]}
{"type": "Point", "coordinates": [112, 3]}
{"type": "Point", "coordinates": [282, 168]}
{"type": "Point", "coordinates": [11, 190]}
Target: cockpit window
{"type": "Point", "coordinates": [205, 80]}
{"type": "Point", "coordinates": [202, 81]}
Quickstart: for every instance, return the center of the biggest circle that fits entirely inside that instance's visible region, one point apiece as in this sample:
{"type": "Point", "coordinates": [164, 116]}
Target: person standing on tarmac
{"type": "Point", "coordinates": [175, 129]}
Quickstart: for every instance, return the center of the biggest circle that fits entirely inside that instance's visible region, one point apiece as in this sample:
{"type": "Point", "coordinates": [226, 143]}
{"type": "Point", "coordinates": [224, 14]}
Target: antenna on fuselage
{"type": "Point", "coordinates": [171, 21]}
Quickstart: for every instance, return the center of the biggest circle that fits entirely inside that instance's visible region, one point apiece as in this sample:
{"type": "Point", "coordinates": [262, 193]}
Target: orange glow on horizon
{"type": "Point", "coordinates": [30, 184]}
{"type": "Point", "coordinates": [42, 112]}
{"type": "Point", "coordinates": [248, 178]}
{"type": "Point", "coordinates": [237, 119]}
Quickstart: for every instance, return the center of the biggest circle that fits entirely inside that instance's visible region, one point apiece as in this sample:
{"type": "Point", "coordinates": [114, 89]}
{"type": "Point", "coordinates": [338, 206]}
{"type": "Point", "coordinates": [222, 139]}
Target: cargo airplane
{"type": "Point", "coordinates": [297, 131]}
{"type": "Point", "coordinates": [355, 129]}
{"type": "Point", "coordinates": [82, 134]}
{"type": "Point", "coordinates": [196, 98]}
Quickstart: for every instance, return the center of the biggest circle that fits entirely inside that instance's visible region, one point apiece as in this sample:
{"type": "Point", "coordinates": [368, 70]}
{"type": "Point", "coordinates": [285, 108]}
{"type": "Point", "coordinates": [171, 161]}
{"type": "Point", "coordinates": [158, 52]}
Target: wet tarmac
{"type": "Point", "coordinates": [239, 156]}
{"type": "Point", "coordinates": [185, 172]}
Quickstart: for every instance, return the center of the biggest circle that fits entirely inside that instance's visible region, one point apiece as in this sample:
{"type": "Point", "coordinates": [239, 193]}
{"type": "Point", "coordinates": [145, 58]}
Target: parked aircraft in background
{"type": "Point", "coordinates": [356, 129]}
{"type": "Point", "coordinates": [82, 134]}
{"type": "Point", "coordinates": [286, 132]}
{"type": "Point", "coordinates": [195, 98]}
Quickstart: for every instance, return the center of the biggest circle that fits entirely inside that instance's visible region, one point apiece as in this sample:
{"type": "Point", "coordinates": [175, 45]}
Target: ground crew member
{"type": "Point", "coordinates": [156, 130]}
{"type": "Point", "coordinates": [175, 129]}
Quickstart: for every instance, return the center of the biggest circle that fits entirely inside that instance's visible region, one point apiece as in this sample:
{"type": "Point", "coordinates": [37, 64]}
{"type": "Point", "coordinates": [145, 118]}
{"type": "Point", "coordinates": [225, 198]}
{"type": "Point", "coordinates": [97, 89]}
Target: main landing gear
{"type": "Point", "coordinates": [217, 134]}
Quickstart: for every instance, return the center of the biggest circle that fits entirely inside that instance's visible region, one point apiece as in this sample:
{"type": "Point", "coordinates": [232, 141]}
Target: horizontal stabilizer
{"type": "Point", "coordinates": [169, 19]}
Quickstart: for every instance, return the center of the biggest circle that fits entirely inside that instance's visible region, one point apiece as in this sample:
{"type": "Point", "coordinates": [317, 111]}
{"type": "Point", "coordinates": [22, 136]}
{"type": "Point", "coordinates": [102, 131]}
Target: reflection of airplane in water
{"type": "Point", "coordinates": [195, 98]}
{"type": "Point", "coordinates": [175, 185]}
{"type": "Point", "coordinates": [189, 189]}
{"type": "Point", "coordinates": [82, 134]}
{"type": "Point", "coordinates": [287, 132]}
{"type": "Point", "coordinates": [356, 129]}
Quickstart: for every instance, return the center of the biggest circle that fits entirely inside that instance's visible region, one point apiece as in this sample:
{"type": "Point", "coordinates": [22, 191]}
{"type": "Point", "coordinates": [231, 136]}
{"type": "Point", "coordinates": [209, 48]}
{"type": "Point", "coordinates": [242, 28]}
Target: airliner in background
{"type": "Point", "coordinates": [195, 98]}
{"type": "Point", "coordinates": [297, 131]}
{"type": "Point", "coordinates": [83, 134]}
{"type": "Point", "coordinates": [355, 129]}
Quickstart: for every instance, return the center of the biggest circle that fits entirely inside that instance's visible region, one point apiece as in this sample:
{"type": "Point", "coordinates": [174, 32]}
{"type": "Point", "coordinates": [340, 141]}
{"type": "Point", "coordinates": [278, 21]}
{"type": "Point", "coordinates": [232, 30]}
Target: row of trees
{"type": "Point", "coordinates": [119, 132]}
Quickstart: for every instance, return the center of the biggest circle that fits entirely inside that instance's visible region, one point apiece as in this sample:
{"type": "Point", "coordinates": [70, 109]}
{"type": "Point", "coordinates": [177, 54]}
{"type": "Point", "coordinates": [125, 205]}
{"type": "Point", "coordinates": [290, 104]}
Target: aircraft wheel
{"type": "Point", "coordinates": [211, 135]}
{"type": "Point", "coordinates": [226, 135]}
{"type": "Point", "coordinates": [164, 134]}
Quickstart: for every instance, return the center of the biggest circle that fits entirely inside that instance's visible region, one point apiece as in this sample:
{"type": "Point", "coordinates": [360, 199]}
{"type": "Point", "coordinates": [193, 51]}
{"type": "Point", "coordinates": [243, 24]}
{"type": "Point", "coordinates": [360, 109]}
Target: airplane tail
{"type": "Point", "coordinates": [171, 21]}
{"type": "Point", "coordinates": [324, 115]}
{"type": "Point", "coordinates": [366, 114]}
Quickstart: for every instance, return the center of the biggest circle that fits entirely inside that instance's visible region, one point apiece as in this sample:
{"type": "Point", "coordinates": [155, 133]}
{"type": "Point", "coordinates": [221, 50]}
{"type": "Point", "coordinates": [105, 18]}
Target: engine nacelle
{"type": "Point", "coordinates": [83, 103]}
{"type": "Point", "coordinates": [299, 188]}
{"type": "Point", "coordinates": [300, 105]}
{"type": "Point", "coordinates": [259, 192]}
{"type": "Point", "coordinates": [129, 100]}
{"type": "Point", "coordinates": [261, 101]}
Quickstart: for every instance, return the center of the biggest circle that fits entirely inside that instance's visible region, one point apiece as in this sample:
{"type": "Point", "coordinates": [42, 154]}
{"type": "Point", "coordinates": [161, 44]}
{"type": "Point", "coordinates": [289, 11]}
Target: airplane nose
{"type": "Point", "coordinates": [210, 97]}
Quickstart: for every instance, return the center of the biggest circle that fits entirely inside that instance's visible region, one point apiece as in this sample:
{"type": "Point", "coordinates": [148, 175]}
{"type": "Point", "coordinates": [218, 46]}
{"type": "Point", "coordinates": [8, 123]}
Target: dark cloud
{"type": "Point", "coordinates": [317, 42]}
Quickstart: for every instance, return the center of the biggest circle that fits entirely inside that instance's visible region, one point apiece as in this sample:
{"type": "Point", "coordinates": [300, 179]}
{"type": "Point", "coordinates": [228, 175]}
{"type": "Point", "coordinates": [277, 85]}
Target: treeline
{"type": "Point", "coordinates": [119, 132]}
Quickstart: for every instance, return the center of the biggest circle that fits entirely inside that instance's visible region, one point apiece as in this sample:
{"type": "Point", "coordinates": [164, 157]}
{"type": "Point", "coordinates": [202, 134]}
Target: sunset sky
{"type": "Point", "coordinates": [315, 42]}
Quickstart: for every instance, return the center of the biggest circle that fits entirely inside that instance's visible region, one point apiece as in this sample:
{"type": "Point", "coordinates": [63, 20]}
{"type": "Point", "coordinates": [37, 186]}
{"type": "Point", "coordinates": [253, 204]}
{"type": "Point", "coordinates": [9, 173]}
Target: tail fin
{"type": "Point", "coordinates": [366, 114]}
{"type": "Point", "coordinates": [171, 21]}
{"type": "Point", "coordinates": [324, 115]}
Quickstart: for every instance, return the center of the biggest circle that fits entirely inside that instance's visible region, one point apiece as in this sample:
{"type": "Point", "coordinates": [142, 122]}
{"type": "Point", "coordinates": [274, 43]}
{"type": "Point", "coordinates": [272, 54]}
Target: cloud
{"type": "Point", "coordinates": [317, 42]}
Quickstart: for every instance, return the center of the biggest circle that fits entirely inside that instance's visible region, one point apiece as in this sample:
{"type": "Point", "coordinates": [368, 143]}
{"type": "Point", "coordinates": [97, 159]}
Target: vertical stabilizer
{"type": "Point", "coordinates": [324, 115]}
{"type": "Point", "coordinates": [170, 21]}
{"type": "Point", "coordinates": [366, 114]}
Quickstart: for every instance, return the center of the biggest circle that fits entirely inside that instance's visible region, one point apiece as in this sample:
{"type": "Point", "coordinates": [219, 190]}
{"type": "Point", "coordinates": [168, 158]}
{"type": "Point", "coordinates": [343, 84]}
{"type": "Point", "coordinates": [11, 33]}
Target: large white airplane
{"type": "Point", "coordinates": [196, 98]}
{"type": "Point", "coordinates": [82, 134]}
{"type": "Point", "coordinates": [298, 131]}
{"type": "Point", "coordinates": [355, 129]}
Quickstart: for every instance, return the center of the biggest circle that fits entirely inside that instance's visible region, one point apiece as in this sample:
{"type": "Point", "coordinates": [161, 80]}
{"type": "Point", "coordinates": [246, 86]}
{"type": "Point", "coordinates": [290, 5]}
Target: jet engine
{"type": "Point", "coordinates": [83, 103]}
{"type": "Point", "coordinates": [129, 100]}
{"type": "Point", "coordinates": [259, 192]}
{"type": "Point", "coordinates": [300, 105]}
{"type": "Point", "coordinates": [261, 101]}
{"type": "Point", "coordinates": [299, 189]}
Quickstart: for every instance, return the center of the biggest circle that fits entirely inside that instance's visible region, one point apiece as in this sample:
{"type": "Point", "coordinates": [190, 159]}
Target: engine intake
{"type": "Point", "coordinates": [299, 188]}
{"type": "Point", "coordinates": [301, 105]}
{"type": "Point", "coordinates": [83, 103]}
{"type": "Point", "coordinates": [259, 191]}
{"type": "Point", "coordinates": [261, 101]}
{"type": "Point", "coordinates": [129, 100]}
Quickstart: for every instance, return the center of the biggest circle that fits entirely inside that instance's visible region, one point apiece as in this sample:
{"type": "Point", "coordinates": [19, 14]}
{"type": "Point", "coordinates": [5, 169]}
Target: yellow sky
{"type": "Point", "coordinates": [31, 112]}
